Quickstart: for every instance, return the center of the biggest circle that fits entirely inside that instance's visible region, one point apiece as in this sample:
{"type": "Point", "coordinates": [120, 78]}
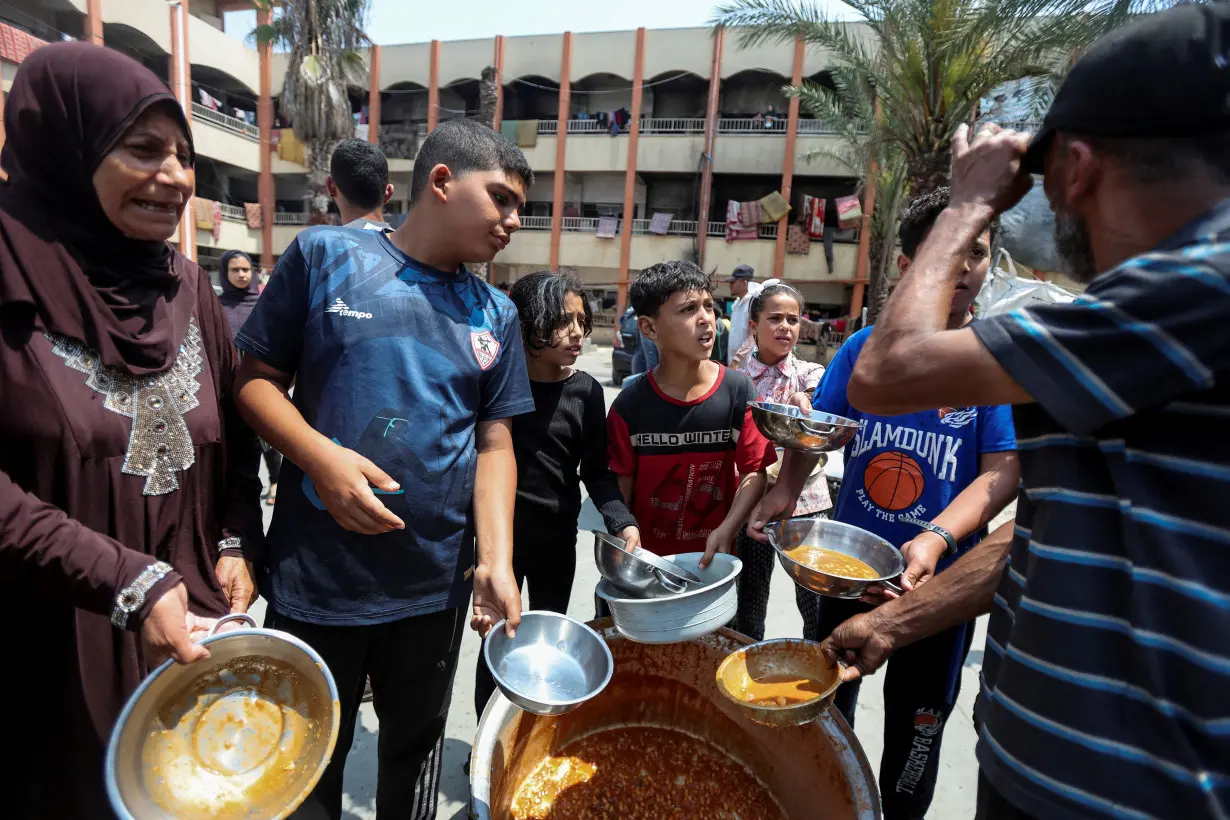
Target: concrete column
{"type": "Point", "coordinates": [864, 235]}
{"type": "Point", "coordinates": [433, 88]}
{"type": "Point", "coordinates": [792, 136]}
{"type": "Point", "coordinates": [93, 22]}
{"type": "Point", "coordinates": [373, 96]}
{"type": "Point", "coordinates": [634, 135]}
{"type": "Point", "coordinates": [180, 71]}
{"type": "Point", "coordinates": [565, 101]}
{"type": "Point", "coordinates": [711, 128]}
{"type": "Point", "coordinates": [265, 189]}
{"type": "Point", "coordinates": [499, 82]}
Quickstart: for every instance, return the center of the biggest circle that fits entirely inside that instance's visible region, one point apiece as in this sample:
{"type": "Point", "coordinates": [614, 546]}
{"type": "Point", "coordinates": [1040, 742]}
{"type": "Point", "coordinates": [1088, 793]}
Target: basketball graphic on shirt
{"type": "Point", "coordinates": [893, 481]}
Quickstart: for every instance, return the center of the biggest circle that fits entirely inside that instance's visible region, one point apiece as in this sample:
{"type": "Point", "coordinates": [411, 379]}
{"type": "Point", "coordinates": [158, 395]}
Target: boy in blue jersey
{"type": "Point", "coordinates": [398, 491]}
{"type": "Point", "coordinates": [946, 472]}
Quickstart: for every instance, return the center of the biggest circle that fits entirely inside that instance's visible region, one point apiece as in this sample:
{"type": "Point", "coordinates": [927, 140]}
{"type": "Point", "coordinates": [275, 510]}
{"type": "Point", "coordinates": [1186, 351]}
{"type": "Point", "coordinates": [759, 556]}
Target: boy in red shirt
{"type": "Point", "coordinates": [690, 461]}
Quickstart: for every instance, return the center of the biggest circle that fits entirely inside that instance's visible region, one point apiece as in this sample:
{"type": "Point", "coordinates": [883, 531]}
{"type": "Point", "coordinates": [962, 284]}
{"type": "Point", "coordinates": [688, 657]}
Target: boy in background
{"type": "Point", "coordinates": [359, 183]}
{"type": "Point", "coordinates": [399, 483]}
{"type": "Point", "coordinates": [690, 460]}
{"type": "Point", "coordinates": [928, 483]}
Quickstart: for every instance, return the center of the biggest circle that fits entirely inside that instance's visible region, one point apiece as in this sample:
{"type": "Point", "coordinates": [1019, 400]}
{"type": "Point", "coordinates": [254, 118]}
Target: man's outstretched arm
{"type": "Point", "coordinates": [911, 362]}
{"type": "Point", "coordinates": [958, 594]}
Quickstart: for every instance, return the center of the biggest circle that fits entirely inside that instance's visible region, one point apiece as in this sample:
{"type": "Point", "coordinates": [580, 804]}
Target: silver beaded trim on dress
{"type": "Point", "coordinates": [160, 445]}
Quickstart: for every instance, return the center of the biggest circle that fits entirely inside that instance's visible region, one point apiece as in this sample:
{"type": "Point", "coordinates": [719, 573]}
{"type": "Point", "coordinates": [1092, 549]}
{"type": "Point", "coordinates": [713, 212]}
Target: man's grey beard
{"type": "Point", "coordinates": [1076, 251]}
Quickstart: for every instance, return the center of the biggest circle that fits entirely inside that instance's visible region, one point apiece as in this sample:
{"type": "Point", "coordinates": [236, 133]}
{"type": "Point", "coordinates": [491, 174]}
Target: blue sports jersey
{"type": "Point", "coordinates": [914, 464]}
{"type": "Point", "coordinates": [399, 362]}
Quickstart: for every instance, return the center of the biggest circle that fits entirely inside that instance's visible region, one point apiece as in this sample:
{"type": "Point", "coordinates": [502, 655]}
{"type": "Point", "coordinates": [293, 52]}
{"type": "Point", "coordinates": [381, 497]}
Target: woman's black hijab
{"type": "Point", "coordinates": [237, 303]}
{"type": "Point", "coordinates": [129, 300]}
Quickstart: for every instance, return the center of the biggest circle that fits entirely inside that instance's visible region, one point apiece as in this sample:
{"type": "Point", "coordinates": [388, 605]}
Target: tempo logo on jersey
{"type": "Point", "coordinates": [486, 348]}
{"type": "Point", "coordinates": [342, 309]}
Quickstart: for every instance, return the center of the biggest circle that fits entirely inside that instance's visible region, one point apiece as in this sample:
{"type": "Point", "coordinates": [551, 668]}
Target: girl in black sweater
{"type": "Point", "coordinates": [559, 445]}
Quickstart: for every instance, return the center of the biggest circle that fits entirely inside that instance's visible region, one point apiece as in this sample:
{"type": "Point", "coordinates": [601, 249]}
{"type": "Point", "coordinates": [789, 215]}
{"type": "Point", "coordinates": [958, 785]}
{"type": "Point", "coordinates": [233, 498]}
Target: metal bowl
{"type": "Point", "coordinates": [806, 431]}
{"type": "Point", "coordinates": [680, 617]}
{"type": "Point", "coordinates": [552, 666]}
{"type": "Point", "coordinates": [784, 657]}
{"type": "Point", "coordinates": [639, 572]}
{"type": "Point", "coordinates": [245, 733]}
{"type": "Point", "coordinates": [867, 547]}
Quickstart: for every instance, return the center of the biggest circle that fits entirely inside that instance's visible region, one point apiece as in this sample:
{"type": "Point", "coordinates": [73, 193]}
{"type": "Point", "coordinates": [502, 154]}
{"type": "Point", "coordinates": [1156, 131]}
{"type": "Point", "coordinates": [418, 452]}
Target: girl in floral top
{"type": "Point", "coordinates": [775, 319]}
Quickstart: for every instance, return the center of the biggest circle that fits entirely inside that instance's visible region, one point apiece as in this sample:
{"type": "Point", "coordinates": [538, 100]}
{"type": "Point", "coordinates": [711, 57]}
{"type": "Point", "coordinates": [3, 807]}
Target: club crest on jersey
{"type": "Point", "coordinates": [486, 348]}
{"type": "Point", "coordinates": [957, 417]}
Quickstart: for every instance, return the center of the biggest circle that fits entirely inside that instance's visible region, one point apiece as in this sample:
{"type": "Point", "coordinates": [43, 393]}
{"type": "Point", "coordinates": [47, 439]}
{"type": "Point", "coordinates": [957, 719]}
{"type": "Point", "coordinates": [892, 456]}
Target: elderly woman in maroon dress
{"type": "Point", "coordinates": [129, 495]}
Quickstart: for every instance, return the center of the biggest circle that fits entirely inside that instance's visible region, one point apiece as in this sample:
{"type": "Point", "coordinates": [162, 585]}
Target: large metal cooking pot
{"type": "Point", "coordinates": [814, 770]}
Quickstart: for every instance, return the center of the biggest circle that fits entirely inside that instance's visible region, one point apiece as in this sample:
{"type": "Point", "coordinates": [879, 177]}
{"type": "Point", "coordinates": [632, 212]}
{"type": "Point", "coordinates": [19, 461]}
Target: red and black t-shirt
{"type": "Point", "coordinates": [685, 457]}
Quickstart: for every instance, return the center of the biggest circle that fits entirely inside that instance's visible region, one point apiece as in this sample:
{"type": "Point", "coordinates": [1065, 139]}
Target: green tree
{"type": "Point", "coordinates": [326, 44]}
{"type": "Point", "coordinates": [928, 64]}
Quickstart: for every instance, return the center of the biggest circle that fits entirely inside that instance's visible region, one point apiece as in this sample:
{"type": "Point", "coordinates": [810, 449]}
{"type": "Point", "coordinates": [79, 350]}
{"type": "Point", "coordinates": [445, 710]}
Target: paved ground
{"type": "Point", "coordinates": [954, 799]}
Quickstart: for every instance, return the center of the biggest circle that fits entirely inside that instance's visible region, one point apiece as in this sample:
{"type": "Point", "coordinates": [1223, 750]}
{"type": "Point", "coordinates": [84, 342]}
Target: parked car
{"type": "Point", "coordinates": [626, 342]}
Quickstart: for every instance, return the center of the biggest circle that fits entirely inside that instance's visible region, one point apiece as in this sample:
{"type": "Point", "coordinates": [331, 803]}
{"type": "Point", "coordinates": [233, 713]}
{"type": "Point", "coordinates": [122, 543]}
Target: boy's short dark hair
{"type": "Point", "coordinates": [466, 146]}
{"type": "Point", "coordinates": [659, 282]}
{"type": "Point", "coordinates": [360, 172]}
{"type": "Point", "coordinates": [539, 297]}
{"type": "Point", "coordinates": [920, 214]}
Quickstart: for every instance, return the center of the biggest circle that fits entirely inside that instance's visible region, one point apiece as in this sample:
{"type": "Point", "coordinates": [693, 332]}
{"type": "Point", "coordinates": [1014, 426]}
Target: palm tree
{"type": "Point", "coordinates": [488, 92]}
{"type": "Point", "coordinates": [326, 43]}
{"type": "Point", "coordinates": [930, 63]}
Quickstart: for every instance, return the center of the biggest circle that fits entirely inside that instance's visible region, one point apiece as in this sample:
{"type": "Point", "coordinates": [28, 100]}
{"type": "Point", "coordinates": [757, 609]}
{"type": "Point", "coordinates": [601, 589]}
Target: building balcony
{"type": "Point", "coordinates": [581, 248]}
{"type": "Point", "coordinates": [231, 140]}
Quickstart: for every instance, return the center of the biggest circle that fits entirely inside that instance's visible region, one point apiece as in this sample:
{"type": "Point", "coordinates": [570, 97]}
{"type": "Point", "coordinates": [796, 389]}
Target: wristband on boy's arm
{"type": "Point", "coordinates": [951, 542]}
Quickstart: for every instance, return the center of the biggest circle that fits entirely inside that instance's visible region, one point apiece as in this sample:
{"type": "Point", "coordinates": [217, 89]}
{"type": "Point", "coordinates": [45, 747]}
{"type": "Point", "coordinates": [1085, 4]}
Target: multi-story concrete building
{"type": "Point", "coordinates": [713, 126]}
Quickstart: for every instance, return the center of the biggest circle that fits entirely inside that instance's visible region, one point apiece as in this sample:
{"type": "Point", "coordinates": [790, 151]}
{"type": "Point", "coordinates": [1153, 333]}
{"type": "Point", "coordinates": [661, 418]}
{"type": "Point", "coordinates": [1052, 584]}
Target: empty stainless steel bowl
{"type": "Point", "coordinates": [807, 431]}
{"type": "Point", "coordinates": [552, 665]}
{"type": "Point", "coordinates": [639, 573]}
{"type": "Point", "coordinates": [245, 733]}
{"type": "Point", "coordinates": [847, 539]}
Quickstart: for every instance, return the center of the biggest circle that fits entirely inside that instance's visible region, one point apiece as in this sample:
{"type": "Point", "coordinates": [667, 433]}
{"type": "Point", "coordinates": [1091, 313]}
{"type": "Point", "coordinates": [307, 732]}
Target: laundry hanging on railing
{"type": "Point", "coordinates": [660, 223]}
{"type": "Point", "coordinates": [797, 240]}
{"type": "Point", "coordinates": [290, 148]}
{"type": "Point", "coordinates": [607, 227]}
{"type": "Point", "coordinates": [849, 212]}
{"type": "Point", "coordinates": [751, 214]}
{"type": "Point", "coordinates": [203, 213]}
{"type": "Point", "coordinates": [208, 100]}
{"type": "Point", "coordinates": [735, 227]}
{"type": "Point", "coordinates": [527, 133]}
{"type": "Point", "coordinates": [508, 130]}
{"type": "Point", "coordinates": [774, 206]}
{"type": "Point", "coordinates": [216, 230]}
{"type": "Point", "coordinates": [813, 216]}
{"type": "Point", "coordinates": [252, 213]}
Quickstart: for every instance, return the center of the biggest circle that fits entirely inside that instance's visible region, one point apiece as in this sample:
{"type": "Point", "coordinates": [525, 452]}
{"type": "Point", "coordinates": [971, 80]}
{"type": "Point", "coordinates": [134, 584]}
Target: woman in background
{"type": "Point", "coordinates": [240, 290]}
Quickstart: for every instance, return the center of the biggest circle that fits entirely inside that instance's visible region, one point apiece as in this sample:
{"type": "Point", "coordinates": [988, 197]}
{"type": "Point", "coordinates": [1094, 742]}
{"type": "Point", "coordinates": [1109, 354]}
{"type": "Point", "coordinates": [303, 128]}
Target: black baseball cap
{"type": "Point", "coordinates": [1165, 75]}
{"type": "Point", "coordinates": [744, 272]}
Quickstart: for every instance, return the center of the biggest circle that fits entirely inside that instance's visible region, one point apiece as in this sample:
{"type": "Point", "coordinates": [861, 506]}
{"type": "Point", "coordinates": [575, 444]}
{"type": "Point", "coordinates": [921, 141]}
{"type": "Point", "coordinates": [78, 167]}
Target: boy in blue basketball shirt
{"type": "Point", "coordinates": [398, 491]}
{"type": "Point", "coordinates": [946, 472]}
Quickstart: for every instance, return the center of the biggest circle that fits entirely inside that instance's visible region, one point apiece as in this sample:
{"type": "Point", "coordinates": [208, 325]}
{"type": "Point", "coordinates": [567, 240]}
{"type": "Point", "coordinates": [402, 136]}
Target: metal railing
{"type": "Point", "coordinates": [226, 121]}
{"type": "Point", "coordinates": [587, 127]}
{"type": "Point", "coordinates": [763, 231]}
{"type": "Point", "coordinates": [290, 218]}
{"type": "Point", "coordinates": [234, 213]}
{"type": "Point", "coordinates": [581, 224]}
{"type": "Point", "coordinates": [672, 125]}
{"type": "Point", "coordinates": [748, 125]}
{"type": "Point", "coordinates": [535, 223]}
{"type": "Point", "coordinates": [658, 126]}
{"type": "Point", "coordinates": [678, 227]}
